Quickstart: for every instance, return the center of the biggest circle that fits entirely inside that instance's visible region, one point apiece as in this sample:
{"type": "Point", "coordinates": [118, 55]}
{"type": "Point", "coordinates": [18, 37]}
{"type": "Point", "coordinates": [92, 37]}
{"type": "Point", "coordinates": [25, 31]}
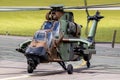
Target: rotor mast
{"type": "Point", "coordinates": [57, 8]}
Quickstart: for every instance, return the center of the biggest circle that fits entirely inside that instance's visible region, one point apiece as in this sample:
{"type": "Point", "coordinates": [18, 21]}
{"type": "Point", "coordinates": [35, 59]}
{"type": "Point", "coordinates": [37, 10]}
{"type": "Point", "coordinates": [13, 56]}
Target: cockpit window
{"type": "Point", "coordinates": [39, 36]}
{"type": "Point", "coordinates": [56, 24]}
{"type": "Point", "coordinates": [48, 36]}
{"type": "Point", "coordinates": [48, 25]}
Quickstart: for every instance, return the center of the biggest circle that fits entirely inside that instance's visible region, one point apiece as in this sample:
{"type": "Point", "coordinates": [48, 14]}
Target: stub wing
{"type": "Point", "coordinates": [77, 40]}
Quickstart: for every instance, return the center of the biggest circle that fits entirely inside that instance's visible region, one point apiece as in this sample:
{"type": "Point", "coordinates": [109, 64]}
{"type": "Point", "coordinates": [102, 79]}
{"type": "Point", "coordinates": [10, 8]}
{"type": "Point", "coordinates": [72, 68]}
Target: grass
{"type": "Point", "coordinates": [108, 25]}
{"type": "Point", "coordinates": [26, 23]}
{"type": "Point", "coordinates": [21, 23]}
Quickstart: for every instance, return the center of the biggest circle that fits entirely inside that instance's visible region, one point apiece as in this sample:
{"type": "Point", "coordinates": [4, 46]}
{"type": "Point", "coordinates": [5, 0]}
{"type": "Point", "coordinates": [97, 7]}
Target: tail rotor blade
{"type": "Point", "coordinates": [86, 29]}
{"type": "Point", "coordinates": [86, 9]}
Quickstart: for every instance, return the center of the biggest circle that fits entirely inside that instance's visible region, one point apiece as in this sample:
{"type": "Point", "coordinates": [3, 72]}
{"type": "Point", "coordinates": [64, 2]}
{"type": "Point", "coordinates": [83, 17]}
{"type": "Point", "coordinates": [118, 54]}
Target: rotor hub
{"type": "Point", "coordinates": [57, 8]}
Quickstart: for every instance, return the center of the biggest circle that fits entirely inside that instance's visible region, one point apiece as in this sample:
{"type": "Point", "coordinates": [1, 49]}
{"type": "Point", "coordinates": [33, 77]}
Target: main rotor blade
{"type": "Point", "coordinates": [31, 8]}
{"type": "Point", "coordinates": [111, 4]}
{"type": "Point", "coordinates": [98, 8]}
{"type": "Point", "coordinates": [95, 6]}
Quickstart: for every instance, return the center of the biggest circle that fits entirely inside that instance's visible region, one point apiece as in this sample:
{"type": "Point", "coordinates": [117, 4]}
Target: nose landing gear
{"type": "Point", "coordinates": [32, 62]}
{"type": "Point", "coordinates": [70, 69]}
{"type": "Point", "coordinates": [31, 66]}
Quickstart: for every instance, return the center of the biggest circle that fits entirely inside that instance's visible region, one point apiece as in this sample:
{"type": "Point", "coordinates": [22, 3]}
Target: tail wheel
{"type": "Point", "coordinates": [88, 64]}
{"type": "Point", "coordinates": [70, 69]}
{"type": "Point", "coordinates": [87, 58]}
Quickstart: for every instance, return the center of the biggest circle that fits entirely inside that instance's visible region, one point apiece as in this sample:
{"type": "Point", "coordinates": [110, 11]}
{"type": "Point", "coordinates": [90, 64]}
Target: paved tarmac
{"type": "Point", "coordinates": [105, 64]}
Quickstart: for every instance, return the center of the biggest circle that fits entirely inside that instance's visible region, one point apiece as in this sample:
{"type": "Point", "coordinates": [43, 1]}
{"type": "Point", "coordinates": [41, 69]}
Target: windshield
{"type": "Point", "coordinates": [39, 36]}
{"type": "Point", "coordinates": [48, 25]}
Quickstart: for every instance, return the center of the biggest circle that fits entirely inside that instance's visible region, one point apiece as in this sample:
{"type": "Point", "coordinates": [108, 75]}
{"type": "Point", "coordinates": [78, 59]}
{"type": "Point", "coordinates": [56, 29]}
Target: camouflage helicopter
{"type": "Point", "coordinates": [59, 39]}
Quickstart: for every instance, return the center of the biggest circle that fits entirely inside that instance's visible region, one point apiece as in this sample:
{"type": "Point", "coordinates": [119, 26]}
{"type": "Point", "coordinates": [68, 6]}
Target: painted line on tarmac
{"type": "Point", "coordinates": [17, 77]}
{"type": "Point", "coordinates": [43, 74]}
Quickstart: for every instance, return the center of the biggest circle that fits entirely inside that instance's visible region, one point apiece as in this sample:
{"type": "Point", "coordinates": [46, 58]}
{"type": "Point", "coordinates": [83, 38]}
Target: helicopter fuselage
{"type": "Point", "coordinates": [59, 40]}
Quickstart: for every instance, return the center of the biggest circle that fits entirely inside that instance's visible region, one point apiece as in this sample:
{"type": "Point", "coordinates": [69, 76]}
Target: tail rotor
{"type": "Point", "coordinates": [86, 9]}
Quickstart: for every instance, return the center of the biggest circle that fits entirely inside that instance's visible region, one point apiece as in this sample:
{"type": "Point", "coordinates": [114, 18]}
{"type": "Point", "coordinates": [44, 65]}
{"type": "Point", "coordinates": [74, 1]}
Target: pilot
{"type": "Point", "coordinates": [51, 18]}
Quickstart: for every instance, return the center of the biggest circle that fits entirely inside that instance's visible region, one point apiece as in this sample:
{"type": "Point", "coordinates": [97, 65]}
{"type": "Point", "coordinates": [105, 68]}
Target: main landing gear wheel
{"type": "Point", "coordinates": [70, 69]}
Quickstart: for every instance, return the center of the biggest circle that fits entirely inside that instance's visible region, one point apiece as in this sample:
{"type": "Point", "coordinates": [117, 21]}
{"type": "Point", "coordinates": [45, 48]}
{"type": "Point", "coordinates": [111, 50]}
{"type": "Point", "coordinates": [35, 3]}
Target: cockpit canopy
{"type": "Point", "coordinates": [39, 36]}
{"type": "Point", "coordinates": [44, 36]}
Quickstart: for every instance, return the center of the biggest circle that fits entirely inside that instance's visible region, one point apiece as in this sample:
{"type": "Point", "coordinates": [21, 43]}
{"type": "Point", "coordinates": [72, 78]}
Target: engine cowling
{"type": "Point", "coordinates": [74, 29]}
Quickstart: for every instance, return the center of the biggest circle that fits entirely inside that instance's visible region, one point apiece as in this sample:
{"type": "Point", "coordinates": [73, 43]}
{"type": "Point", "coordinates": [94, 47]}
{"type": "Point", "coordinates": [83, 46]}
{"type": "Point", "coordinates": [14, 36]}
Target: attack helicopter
{"type": "Point", "coordinates": [59, 39]}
